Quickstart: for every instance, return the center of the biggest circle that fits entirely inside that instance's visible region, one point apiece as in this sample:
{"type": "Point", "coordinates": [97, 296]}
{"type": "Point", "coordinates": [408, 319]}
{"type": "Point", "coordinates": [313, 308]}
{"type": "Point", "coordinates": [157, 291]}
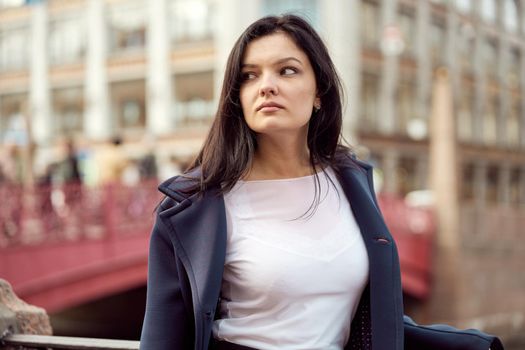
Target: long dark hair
{"type": "Point", "coordinates": [228, 150]}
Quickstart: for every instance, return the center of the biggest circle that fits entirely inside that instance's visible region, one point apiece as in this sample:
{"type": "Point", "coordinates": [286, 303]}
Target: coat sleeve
{"type": "Point", "coordinates": [167, 322]}
{"type": "Point", "coordinates": [438, 337]}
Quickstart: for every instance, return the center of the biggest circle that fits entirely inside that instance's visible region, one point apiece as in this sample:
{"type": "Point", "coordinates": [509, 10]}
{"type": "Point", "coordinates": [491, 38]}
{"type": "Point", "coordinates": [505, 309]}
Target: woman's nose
{"type": "Point", "coordinates": [268, 86]}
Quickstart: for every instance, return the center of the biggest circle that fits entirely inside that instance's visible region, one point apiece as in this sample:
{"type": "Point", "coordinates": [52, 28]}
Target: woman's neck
{"type": "Point", "coordinates": [279, 160]}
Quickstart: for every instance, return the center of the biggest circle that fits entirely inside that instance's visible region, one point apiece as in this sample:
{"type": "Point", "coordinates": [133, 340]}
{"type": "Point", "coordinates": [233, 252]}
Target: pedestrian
{"type": "Point", "coordinates": [112, 162]}
{"type": "Point", "coordinates": [44, 189]}
{"type": "Point", "coordinates": [273, 238]}
{"type": "Point", "coordinates": [70, 164]}
{"type": "Point", "coordinates": [71, 176]}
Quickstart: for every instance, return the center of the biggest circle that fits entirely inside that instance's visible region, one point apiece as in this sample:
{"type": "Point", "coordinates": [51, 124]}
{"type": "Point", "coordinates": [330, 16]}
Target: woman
{"type": "Point", "coordinates": [273, 239]}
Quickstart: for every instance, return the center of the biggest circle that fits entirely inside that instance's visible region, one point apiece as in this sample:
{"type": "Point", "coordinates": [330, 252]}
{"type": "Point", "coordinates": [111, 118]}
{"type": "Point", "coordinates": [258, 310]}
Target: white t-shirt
{"type": "Point", "coordinates": [291, 280]}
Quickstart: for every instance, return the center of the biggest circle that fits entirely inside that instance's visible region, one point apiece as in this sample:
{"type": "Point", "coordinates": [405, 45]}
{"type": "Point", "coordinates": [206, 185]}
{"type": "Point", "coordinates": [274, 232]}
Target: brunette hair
{"type": "Point", "coordinates": [228, 150]}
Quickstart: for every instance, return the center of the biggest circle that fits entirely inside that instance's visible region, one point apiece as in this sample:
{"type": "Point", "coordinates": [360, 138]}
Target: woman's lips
{"type": "Point", "coordinates": [269, 106]}
{"type": "Point", "coordinates": [269, 109]}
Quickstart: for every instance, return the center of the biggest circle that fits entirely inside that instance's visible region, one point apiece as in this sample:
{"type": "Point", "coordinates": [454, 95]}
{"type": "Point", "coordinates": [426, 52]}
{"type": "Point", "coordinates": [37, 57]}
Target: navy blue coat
{"type": "Point", "coordinates": [186, 261]}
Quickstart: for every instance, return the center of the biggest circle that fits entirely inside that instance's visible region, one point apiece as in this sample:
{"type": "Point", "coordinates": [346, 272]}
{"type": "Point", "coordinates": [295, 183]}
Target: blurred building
{"type": "Point", "coordinates": [93, 69]}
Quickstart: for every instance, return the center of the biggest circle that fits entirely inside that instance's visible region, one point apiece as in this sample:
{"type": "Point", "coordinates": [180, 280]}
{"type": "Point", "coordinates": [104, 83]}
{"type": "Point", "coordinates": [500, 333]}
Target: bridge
{"type": "Point", "coordinates": [62, 246]}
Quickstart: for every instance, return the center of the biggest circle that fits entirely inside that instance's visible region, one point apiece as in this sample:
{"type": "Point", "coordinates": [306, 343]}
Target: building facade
{"type": "Point", "coordinates": [93, 69]}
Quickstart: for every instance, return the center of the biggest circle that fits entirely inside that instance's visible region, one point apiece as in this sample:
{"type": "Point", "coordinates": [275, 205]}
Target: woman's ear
{"type": "Point", "coordinates": [317, 103]}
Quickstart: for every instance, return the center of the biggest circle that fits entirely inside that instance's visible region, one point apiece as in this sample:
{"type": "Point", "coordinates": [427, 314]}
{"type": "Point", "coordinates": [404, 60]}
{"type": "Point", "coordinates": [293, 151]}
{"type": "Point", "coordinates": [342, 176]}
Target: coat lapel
{"type": "Point", "coordinates": [199, 237]}
{"type": "Point", "coordinates": [385, 284]}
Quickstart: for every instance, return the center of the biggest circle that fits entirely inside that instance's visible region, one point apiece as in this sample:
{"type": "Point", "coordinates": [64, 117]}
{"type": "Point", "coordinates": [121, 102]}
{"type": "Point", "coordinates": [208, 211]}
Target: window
{"type": "Point", "coordinates": [131, 112]}
{"type": "Point", "coordinates": [405, 104]}
{"type": "Point", "coordinates": [191, 20]}
{"type": "Point", "coordinates": [370, 23]}
{"type": "Point", "coordinates": [514, 190]}
{"type": "Point", "coordinates": [128, 104]}
{"type": "Point", "coordinates": [521, 188]}
{"type": "Point", "coordinates": [15, 46]}
{"type": "Point", "coordinates": [467, 182]}
{"type": "Point", "coordinates": [12, 3]}
{"type": "Point", "coordinates": [513, 124]}
{"type": "Point", "coordinates": [490, 121]}
{"type": "Point", "coordinates": [66, 40]}
{"type": "Point", "coordinates": [510, 16]}
{"type": "Point", "coordinates": [194, 98]}
{"type": "Point", "coordinates": [465, 115]}
{"type": "Point", "coordinates": [488, 10]}
{"type": "Point", "coordinates": [369, 105]}
{"type": "Point", "coordinates": [306, 8]}
{"type": "Point", "coordinates": [464, 6]}
{"type": "Point", "coordinates": [128, 26]}
{"type": "Point", "coordinates": [12, 120]}
{"type": "Point", "coordinates": [68, 110]}
{"type": "Point", "coordinates": [492, 184]}
{"type": "Point", "coordinates": [465, 46]}
{"type": "Point", "coordinates": [490, 57]}
{"type": "Point", "coordinates": [513, 74]}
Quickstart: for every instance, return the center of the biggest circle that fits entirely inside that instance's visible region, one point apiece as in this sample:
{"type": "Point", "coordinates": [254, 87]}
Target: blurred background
{"type": "Point", "coordinates": [102, 100]}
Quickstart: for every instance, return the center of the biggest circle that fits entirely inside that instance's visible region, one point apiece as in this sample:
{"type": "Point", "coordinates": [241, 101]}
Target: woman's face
{"type": "Point", "coordinates": [278, 91]}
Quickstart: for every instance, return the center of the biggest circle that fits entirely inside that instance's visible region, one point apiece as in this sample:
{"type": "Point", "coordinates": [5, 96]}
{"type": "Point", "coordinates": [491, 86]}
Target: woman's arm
{"type": "Point", "coordinates": [167, 323]}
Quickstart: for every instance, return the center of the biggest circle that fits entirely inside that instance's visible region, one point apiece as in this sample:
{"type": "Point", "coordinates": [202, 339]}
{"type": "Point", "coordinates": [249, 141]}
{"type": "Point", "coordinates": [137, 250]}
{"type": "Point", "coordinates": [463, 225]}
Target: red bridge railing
{"type": "Point", "coordinates": [51, 214]}
{"type": "Point", "coordinates": [61, 246]}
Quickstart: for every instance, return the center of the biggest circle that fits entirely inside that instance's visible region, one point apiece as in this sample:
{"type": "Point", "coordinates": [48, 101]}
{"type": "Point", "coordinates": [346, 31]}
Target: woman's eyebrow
{"type": "Point", "coordinates": [278, 62]}
{"type": "Point", "coordinates": [286, 59]}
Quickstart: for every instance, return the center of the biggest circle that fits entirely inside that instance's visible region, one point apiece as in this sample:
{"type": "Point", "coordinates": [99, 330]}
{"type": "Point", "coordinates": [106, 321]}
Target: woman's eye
{"type": "Point", "coordinates": [288, 71]}
{"type": "Point", "coordinates": [248, 76]}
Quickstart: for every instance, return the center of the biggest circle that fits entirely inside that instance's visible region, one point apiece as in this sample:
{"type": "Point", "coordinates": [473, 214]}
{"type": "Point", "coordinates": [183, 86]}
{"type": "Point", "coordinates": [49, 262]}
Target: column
{"type": "Point", "coordinates": [158, 85]}
{"type": "Point", "coordinates": [98, 124]}
{"type": "Point", "coordinates": [233, 17]}
{"type": "Point", "coordinates": [504, 96]}
{"type": "Point", "coordinates": [443, 181]}
{"type": "Point", "coordinates": [443, 161]}
{"type": "Point", "coordinates": [40, 105]}
{"type": "Point", "coordinates": [340, 21]}
{"type": "Point", "coordinates": [389, 75]}
{"type": "Point", "coordinates": [424, 68]}
{"type": "Point", "coordinates": [390, 176]}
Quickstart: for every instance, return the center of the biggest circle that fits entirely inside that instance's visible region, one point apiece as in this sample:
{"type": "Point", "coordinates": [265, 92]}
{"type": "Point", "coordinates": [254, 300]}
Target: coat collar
{"type": "Point", "coordinates": [358, 187]}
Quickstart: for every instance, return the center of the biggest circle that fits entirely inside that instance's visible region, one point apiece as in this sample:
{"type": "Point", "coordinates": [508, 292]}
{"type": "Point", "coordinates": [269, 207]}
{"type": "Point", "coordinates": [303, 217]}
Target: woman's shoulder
{"type": "Point", "coordinates": [183, 186]}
